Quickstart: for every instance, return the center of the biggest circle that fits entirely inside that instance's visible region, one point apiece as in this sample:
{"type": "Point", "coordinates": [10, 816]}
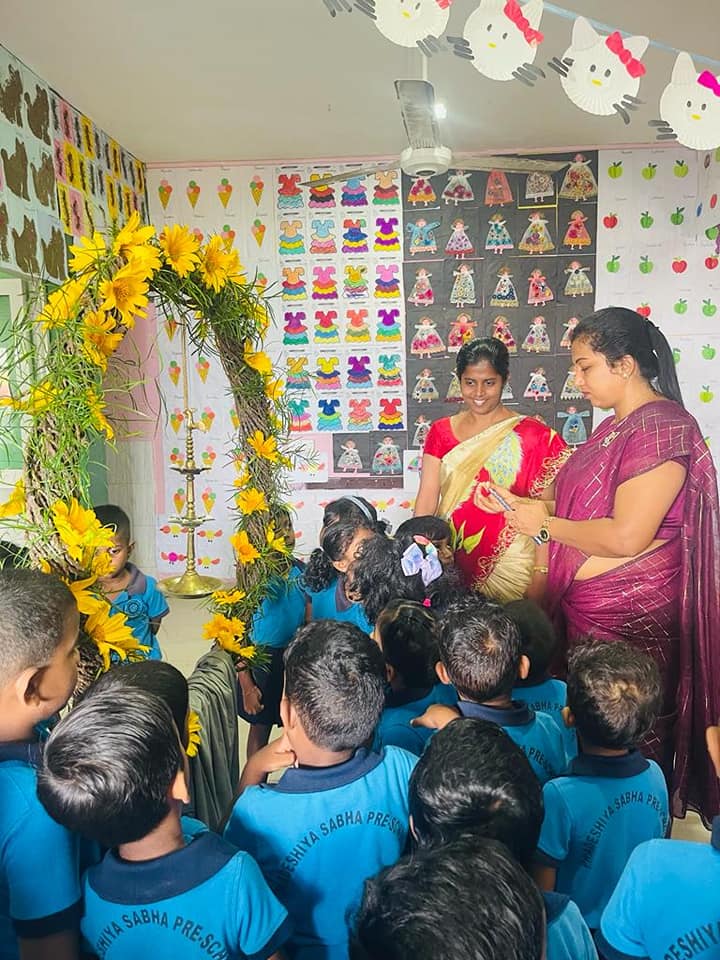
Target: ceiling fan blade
{"type": "Point", "coordinates": [510, 164]}
{"type": "Point", "coordinates": [417, 105]}
{"type": "Point", "coordinates": [341, 177]}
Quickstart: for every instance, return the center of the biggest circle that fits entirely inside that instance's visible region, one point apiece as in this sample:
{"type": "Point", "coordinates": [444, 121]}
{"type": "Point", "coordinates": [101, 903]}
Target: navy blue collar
{"type": "Point", "coordinates": [517, 715]}
{"type": "Point", "coordinates": [715, 833]}
{"type": "Point", "coordinates": [138, 581]}
{"type": "Point", "coordinates": [136, 882]}
{"type": "Point", "coordinates": [315, 779]}
{"type": "Point", "coordinates": [341, 599]}
{"type": "Point", "coordinates": [399, 698]}
{"type": "Point", "coordinates": [555, 905]}
{"type": "Point", "coordinates": [627, 765]}
{"type": "Point", "coordinates": [25, 751]}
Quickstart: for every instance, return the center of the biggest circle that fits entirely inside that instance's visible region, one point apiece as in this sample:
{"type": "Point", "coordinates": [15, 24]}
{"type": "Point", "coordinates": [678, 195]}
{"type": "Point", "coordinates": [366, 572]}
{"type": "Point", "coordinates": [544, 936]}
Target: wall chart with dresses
{"type": "Point", "coordinates": [500, 255]}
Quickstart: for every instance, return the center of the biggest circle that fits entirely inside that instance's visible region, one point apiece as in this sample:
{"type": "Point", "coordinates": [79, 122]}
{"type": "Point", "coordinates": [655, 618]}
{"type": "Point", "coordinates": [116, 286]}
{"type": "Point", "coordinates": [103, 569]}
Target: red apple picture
{"type": "Point", "coordinates": [644, 310]}
{"type": "Point", "coordinates": [610, 221]}
{"type": "Point", "coordinates": [711, 262]}
{"type": "Point", "coordinates": [679, 265]}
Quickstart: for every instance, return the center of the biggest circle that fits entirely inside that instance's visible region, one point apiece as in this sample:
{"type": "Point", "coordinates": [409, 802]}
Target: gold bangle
{"type": "Point", "coordinates": [540, 569]}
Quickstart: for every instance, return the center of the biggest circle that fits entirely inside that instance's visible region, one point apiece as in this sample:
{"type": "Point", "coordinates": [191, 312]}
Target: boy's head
{"type": "Point", "coordinates": [117, 520]}
{"type": "Point", "coordinates": [113, 768]}
{"type": "Point", "coordinates": [406, 632]}
{"type": "Point", "coordinates": [472, 779]}
{"type": "Point", "coordinates": [480, 650]}
{"type": "Point", "coordinates": [467, 898]}
{"type": "Point", "coordinates": [334, 687]}
{"type": "Point", "coordinates": [538, 640]}
{"type": "Point", "coordinates": [39, 624]}
{"type": "Point", "coordinates": [614, 694]}
{"type": "Point", "coordinates": [434, 529]}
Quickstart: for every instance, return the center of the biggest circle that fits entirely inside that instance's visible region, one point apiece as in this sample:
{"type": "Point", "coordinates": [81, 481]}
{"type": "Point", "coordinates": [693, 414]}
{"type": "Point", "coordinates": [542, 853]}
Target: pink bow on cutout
{"type": "Point", "coordinates": [444, 4]}
{"type": "Point", "coordinates": [709, 80]}
{"type": "Point", "coordinates": [615, 44]}
{"type": "Point", "coordinates": [513, 11]}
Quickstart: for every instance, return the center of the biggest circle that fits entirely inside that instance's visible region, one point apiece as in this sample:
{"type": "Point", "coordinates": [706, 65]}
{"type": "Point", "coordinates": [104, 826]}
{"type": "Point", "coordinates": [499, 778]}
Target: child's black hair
{"type": "Point", "coordinates": [408, 636]}
{"type": "Point", "coordinates": [157, 677]}
{"type": "Point", "coordinates": [538, 640]}
{"type": "Point", "coordinates": [352, 507]}
{"type": "Point", "coordinates": [614, 693]}
{"type": "Point", "coordinates": [467, 898]}
{"type": "Point", "coordinates": [108, 766]}
{"type": "Point", "coordinates": [113, 516]}
{"type": "Point", "coordinates": [335, 539]}
{"type": "Point", "coordinates": [472, 778]}
{"type": "Point", "coordinates": [335, 680]}
{"type": "Point", "coordinates": [34, 610]}
{"type": "Point", "coordinates": [480, 648]}
{"type": "Point", "coordinates": [435, 529]}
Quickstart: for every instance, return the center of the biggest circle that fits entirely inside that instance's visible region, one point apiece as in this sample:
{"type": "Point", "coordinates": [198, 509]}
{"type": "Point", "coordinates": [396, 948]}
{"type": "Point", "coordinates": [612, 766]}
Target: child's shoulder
{"type": "Point", "coordinates": [18, 787]}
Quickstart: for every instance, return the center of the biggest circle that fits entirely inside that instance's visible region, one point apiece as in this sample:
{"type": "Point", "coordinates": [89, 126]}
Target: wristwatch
{"type": "Point", "coordinates": [544, 531]}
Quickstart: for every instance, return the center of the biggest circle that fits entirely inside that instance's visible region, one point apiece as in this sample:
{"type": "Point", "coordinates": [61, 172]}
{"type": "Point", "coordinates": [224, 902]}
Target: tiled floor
{"type": "Point", "coordinates": [182, 644]}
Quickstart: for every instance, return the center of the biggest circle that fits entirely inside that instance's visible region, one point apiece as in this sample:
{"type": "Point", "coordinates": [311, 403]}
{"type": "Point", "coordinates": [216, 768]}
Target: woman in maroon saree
{"type": "Point", "coordinates": [635, 539]}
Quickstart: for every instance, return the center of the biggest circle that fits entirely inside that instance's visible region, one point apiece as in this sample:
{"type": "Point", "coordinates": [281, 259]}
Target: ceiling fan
{"type": "Point", "coordinates": [426, 156]}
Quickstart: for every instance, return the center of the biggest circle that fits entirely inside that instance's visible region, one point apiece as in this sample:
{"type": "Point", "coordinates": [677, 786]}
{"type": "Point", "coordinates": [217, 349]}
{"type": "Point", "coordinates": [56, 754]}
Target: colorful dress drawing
{"type": "Point", "coordinates": [388, 326]}
{"type": "Point", "coordinates": [537, 339]}
{"type": "Point", "coordinates": [569, 327]}
{"type": "Point", "coordinates": [295, 331]}
{"type": "Point", "coordinates": [354, 238]}
{"type": "Point", "coordinates": [538, 290]}
{"type": "Point", "coordinates": [297, 377]}
{"type": "Point", "coordinates": [386, 235]}
{"type": "Point", "coordinates": [329, 418]}
{"type": "Point", "coordinates": [539, 186]}
{"type": "Point", "coordinates": [327, 376]}
{"type": "Point", "coordinates": [322, 239]}
{"type": "Point", "coordinates": [422, 425]}
{"type": "Point", "coordinates": [387, 285]}
{"type": "Point", "coordinates": [360, 418]}
{"type": "Point", "coordinates": [289, 193]}
{"type": "Point", "coordinates": [299, 416]}
{"type": "Point", "coordinates": [570, 389]}
{"type": "Point", "coordinates": [578, 283]}
{"type": "Point", "coordinates": [291, 242]}
{"type": "Point", "coordinates": [537, 388]}
{"type": "Point", "coordinates": [459, 244]}
{"type": "Point", "coordinates": [386, 458]}
{"type": "Point", "coordinates": [504, 294]}
{"type": "Point", "coordinates": [497, 190]}
{"type": "Point", "coordinates": [501, 331]}
{"type": "Point", "coordinates": [359, 374]}
{"type": "Point", "coordinates": [322, 195]}
{"type": "Point", "coordinates": [293, 285]}
{"type": "Point", "coordinates": [577, 236]}
{"type": "Point", "coordinates": [357, 330]}
{"type": "Point", "coordinates": [385, 191]}
{"type": "Point", "coordinates": [574, 431]}
{"type": "Point", "coordinates": [425, 390]}
{"type": "Point", "coordinates": [354, 193]}
{"type": "Point", "coordinates": [462, 329]}
{"type": "Point", "coordinates": [421, 191]}
{"type": "Point", "coordinates": [349, 459]}
{"type": "Point", "coordinates": [324, 284]}
{"type": "Point", "coordinates": [422, 292]}
{"type": "Point", "coordinates": [355, 285]}
{"type": "Point", "coordinates": [453, 393]}
{"type": "Point", "coordinates": [326, 330]}
{"type": "Point", "coordinates": [498, 239]}
{"type": "Point", "coordinates": [426, 341]}
{"type": "Point", "coordinates": [579, 182]}
{"type": "Point", "coordinates": [391, 416]}
{"type": "Point", "coordinates": [458, 189]}
{"type": "Point", "coordinates": [463, 288]}
{"type": "Point", "coordinates": [536, 238]}
{"type": "Point", "coordinates": [422, 237]}
{"type": "Point", "coordinates": [389, 373]}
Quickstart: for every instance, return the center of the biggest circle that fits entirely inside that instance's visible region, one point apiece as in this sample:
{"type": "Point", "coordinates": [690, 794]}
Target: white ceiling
{"type": "Point", "coordinates": [178, 80]}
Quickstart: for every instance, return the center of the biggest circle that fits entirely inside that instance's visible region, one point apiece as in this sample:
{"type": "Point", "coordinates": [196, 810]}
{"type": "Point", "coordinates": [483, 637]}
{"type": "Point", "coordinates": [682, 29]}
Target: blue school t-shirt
{"type": "Point", "coordinates": [568, 936]}
{"type": "Point", "coordinates": [206, 900]}
{"type": "Point", "coordinates": [319, 833]}
{"type": "Point", "coordinates": [39, 869]}
{"type": "Point", "coordinates": [550, 697]}
{"type": "Point", "coordinates": [332, 604]}
{"type": "Point", "coordinates": [594, 819]}
{"type": "Point", "coordinates": [667, 903]}
{"type": "Point", "coordinates": [394, 728]}
{"type": "Point", "coordinates": [282, 611]}
{"type": "Point", "coordinates": [141, 602]}
{"type": "Point", "coordinates": [535, 733]}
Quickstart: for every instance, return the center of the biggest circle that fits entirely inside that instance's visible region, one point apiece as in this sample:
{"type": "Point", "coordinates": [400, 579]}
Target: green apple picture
{"type": "Point", "coordinates": [646, 221]}
{"type": "Point", "coordinates": [708, 352]}
{"type": "Point", "coordinates": [678, 216]}
{"type": "Point", "coordinates": [676, 354]}
{"type": "Point", "coordinates": [649, 171]}
{"type": "Point", "coordinates": [615, 170]}
{"type": "Point", "coordinates": [613, 264]}
{"type": "Point", "coordinates": [681, 307]}
{"type": "Point", "coordinates": [646, 265]}
{"type": "Point", "coordinates": [712, 232]}
{"type": "Point", "coordinates": [706, 395]}
{"type": "Point", "coordinates": [709, 309]}
{"type": "Point", "coordinates": [681, 168]}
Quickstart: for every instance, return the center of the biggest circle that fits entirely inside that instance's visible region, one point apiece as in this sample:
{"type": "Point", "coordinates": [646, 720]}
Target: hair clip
{"type": "Point", "coordinates": [426, 564]}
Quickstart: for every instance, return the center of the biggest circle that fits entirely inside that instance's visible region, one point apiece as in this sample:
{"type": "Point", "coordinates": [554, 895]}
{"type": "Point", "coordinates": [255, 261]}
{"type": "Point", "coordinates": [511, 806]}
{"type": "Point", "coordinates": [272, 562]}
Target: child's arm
{"type": "Point", "coordinates": [58, 946]}
{"type": "Point", "coordinates": [436, 717]}
{"type": "Point", "coordinates": [544, 877]}
{"type": "Point", "coordinates": [275, 756]}
{"type": "Point", "coordinates": [251, 696]}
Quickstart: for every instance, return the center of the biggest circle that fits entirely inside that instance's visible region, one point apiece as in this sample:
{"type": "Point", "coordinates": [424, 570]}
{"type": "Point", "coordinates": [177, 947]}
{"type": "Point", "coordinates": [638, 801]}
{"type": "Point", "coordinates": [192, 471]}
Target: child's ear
{"type": "Point", "coordinates": [412, 828]}
{"type": "Point", "coordinates": [131, 547]}
{"type": "Point", "coordinates": [341, 565]}
{"type": "Point", "coordinates": [27, 686]}
{"type": "Point", "coordinates": [568, 717]}
{"type": "Point", "coordinates": [389, 673]}
{"type": "Point", "coordinates": [524, 668]}
{"type": "Point", "coordinates": [712, 735]}
{"type": "Point", "coordinates": [442, 673]}
{"type": "Point", "coordinates": [179, 788]}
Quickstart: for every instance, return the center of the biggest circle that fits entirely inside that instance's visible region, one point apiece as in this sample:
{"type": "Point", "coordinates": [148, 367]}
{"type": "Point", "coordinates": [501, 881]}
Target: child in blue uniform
{"type": "Point", "coordinates": [39, 877]}
{"type": "Point", "coordinates": [340, 813]}
{"type": "Point", "coordinates": [480, 655]}
{"type": "Point", "coordinates": [539, 690]}
{"type": "Point", "coordinates": [129, 590]}
{"type": "Point", "coordinates": [613, 798]}
{"type": "Point", "coordinates": [464, 899]}
{"type": "Point", "coordinates": [434, 529]}
{"type": "Point", "coordinates": [114, 770]}
{"type": "Point", "coordinates": [666, 901]}
{"type": "Point", "coordinates": [472, 779]}
{"type": "Point", "coordinates": [406, 632]}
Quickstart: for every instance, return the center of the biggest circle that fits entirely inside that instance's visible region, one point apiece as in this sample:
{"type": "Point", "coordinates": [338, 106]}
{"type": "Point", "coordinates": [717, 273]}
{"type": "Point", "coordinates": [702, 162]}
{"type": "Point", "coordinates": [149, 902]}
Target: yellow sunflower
{"type": "Point", "coordinates": [14, 506]}
{"type": "Point", "coordinates": [274, 541]}
{"type": "Point", "coordinates": [226, 598]}
{"type": "Point", "coordinates": [126, 293]}
{"type": "Point", "coordinates": [62, 304]}
{"type": "Point", "coordinates": [265, 447]}
{"type": "Point", "coordinates": [259, 361]}
{"type": "Point", "coordinates": [251, 501]}
{"type": "Point", "coordinates": [224, 629]}
{"type": "Point", "coordinates": [214, 263]}
{"type": "Point", "coordinates": [96, 406]}
{"type": "Point", "coordinates": [132, 235]}
{"type": "Point", "coordinates": [99, 341]}
{"type": "Point", "coordinates": [87, 253]}
{"type": "Point", "coordinates": [273, 389]}
{"type": "Point", "coordinates": [235, 270]}
{"type": "Point", "coordinates": [111, 634]}
{"type": "Point", "coordinates": [42, 397]}
{"type": "Point", "coordinates": [193, 733]}
{"type": "Point", "coordinates": [88, 601]}
{"type": "Point", "coordinates": [144, 260]}
{"type": "Point", "coordinates": [244, 550]}
{"type": "Point", "coordinates": [180, 248]}
{"type": "Point", "coordinates": [79, 529]}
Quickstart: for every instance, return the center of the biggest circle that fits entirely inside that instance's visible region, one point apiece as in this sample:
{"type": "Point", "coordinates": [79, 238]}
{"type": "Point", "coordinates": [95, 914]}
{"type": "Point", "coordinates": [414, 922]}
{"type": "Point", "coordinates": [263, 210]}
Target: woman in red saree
{"type": "Point", "coordinates": [484, 444]}
{"type": "Point", "coordinates": [635, 538]}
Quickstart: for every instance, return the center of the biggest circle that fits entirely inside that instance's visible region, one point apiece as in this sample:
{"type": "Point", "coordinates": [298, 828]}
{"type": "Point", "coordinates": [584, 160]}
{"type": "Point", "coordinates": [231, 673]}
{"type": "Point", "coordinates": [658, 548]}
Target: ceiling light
{"type": "Point", "coordinates": [440, 110]}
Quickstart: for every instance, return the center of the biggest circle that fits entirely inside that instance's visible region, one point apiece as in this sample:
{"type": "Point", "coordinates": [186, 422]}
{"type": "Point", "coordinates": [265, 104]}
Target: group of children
{"type": "Point", "coordinates": [434, 792]}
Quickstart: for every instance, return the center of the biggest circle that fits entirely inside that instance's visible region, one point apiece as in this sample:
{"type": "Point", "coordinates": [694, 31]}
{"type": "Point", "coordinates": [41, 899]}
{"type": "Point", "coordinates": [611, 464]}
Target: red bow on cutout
{"type": "Point", "coordinates": [633, 66]}
{"type": "Point", "coordinates": [709, 80]}
{"type": "Point", "coordinates": [513, 11]}
{"type": "Point", "coordinates": [444, 4]}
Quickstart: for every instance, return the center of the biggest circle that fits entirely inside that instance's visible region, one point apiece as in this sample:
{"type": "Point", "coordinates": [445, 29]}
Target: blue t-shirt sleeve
{"type": "Point", "coordinates": [620, 927]}
{"type": "Point", "coordinates": [238, 830]}
{"type": "Point", "coordinates": [399, 735]}
{"type": "Point", "coordinates": [157, 605]}
{"type": "Point", "coordinates": [262, 921]}
{"type": "Point", "coordinates": [556, 832]}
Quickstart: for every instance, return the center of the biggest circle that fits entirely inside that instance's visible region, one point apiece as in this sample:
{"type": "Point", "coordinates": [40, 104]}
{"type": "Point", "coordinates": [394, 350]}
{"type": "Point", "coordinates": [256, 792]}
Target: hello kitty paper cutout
{"type": "Point", "coordinates": [601, 74]}
{"type": "Point", "coordinates": [417, 24]}
{"type": "Point", "coordinates": [501, 40]}
{"type": "Point", "coordinates": [690, 107]}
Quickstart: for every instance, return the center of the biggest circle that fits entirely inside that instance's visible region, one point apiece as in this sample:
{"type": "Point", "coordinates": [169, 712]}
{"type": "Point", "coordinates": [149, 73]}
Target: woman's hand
{"type": "Point", "coordinates": [484, 501]}
{"type": "Point", "coordinates": [526, 516]}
